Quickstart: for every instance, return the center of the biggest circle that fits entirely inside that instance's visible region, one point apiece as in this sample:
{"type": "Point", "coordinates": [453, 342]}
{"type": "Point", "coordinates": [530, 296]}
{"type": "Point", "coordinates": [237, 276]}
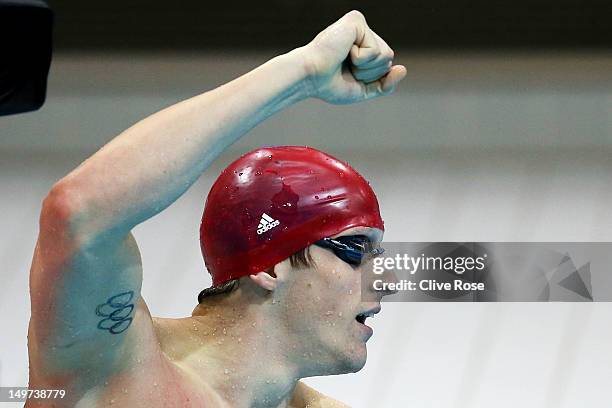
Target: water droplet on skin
{"type": "Point", "coordinates": [224, 331]}
{"type": "Point", "coordinates": [316, 197]}
{"type": "Point", "coordinates": [239, 339]}
{"type": "Point", "coordinates": [226, 371]}
{"type": "Point", "coordinates": [339, 314]}
{"type": "Point", "coordinates": [329, 313]}
{"type": "Point", "coordinates": [253, 324]}
{"type": "Point", "coordinates": [328, 197]}
{"type": "Point", "coordinates": [350, 291]}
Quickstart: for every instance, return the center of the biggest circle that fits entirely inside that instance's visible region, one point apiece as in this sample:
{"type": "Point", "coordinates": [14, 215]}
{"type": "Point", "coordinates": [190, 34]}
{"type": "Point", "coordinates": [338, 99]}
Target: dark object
{"type": "Point", "coordinates": [350, 248]}
{"type": "Point", "coordinates": [25, 54]}
{"type": "Point", "coordinates": [278, 26]}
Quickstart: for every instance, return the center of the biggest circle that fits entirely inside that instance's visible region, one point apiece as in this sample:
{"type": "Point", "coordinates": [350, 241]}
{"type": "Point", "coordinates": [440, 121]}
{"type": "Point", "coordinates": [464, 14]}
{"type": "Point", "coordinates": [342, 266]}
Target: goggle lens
{"type": "Point", "coordinates": [352, 249]}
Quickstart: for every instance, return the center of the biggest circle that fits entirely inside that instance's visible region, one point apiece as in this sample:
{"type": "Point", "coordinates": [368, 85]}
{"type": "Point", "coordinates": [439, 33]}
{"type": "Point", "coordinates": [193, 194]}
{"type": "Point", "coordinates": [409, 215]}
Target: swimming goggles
{"type": "Point", "coordinates": [352, 249]}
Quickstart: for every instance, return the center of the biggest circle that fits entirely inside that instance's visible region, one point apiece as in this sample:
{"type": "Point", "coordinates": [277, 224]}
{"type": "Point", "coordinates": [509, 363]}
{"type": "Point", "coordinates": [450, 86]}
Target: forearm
{"type": "Point", "coordinates": [151, 164]}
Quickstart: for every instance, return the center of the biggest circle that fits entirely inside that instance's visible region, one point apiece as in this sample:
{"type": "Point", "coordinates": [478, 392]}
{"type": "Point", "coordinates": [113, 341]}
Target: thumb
{"type": "Point", "coordinates": [393, 78]}
{"type": "Point", "coordinates": [387, 84]}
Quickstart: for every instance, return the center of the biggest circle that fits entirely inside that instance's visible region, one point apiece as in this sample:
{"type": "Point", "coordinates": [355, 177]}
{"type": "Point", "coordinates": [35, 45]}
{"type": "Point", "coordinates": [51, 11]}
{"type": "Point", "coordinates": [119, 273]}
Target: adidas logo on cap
{"type": "Point", "coordinates": [266, 223]}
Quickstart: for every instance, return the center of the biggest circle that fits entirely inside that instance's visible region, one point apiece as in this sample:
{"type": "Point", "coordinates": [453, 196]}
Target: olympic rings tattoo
{"type": "Point", "coordinates": [117, 312]}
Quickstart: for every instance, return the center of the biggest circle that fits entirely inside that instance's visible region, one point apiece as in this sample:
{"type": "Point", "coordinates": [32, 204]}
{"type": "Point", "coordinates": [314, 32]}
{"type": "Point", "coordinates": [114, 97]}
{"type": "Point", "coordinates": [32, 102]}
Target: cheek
{"type": "Point", "coordinates": [345, 282]}
{"type": "Point", "coordinates": [340, 297]}
{"type": "Point", "coordinates": [339, 284]}
{"type": "Point", "coordinates": [323, 297]}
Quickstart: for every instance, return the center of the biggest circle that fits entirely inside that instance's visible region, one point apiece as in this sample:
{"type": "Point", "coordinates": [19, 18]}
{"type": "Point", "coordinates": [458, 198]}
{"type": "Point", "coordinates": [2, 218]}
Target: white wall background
{"type": "Point", "coordinates": [472, 148]}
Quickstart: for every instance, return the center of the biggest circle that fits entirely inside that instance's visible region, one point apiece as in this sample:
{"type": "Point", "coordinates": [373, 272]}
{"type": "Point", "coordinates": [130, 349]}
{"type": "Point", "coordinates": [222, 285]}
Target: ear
{"type": "Point", "coordinates": [265, 280]}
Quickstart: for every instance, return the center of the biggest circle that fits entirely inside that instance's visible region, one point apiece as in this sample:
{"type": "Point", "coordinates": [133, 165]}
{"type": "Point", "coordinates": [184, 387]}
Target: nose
{"type": "Point", "coordinates": [390, 278]}
{"type": "Point", "coordinates": [376, 286]}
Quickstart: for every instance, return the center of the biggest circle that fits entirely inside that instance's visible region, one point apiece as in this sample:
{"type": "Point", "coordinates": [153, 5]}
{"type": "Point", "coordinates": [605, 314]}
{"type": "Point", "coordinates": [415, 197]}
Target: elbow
{"type": "Point", "coordinates": [60, 208]}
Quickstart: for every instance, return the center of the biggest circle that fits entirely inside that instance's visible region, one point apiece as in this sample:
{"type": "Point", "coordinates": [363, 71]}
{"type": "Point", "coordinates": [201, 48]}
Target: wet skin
{"type": "Point", "coordinates": [90, 331]}
{"type": "Point", "coordinates": [250, 345]}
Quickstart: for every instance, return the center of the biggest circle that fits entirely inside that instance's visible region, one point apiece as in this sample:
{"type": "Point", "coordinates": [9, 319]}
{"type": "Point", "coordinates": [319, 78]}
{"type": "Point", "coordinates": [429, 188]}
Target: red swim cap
{"type": "Point", "coordinates": [273, 202]}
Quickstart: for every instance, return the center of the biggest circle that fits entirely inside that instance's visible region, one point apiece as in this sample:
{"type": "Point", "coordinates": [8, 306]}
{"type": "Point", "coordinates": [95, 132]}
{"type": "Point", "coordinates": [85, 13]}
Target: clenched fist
{"type": "Point", "coordinates": [348, 62]}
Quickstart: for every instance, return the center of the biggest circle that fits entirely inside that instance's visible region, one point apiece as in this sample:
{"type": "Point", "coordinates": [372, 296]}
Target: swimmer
{"type": "Point", "coordinates": [284, 234]}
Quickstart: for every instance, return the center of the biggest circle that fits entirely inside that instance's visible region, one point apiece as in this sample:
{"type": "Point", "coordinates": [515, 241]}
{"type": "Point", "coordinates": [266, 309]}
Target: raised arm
{"type": "Point", "coordinates": [86, 273]}
{"type": "Point", "coordinates": [147, 167]}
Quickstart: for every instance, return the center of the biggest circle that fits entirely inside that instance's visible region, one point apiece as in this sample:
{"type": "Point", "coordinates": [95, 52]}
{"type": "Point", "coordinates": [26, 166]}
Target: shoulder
{"type": "Point", "coordinates": [307, 397]}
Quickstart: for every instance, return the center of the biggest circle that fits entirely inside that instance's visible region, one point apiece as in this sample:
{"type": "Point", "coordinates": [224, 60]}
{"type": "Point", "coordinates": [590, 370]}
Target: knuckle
{"type": "Point", "coordinates": [370, 53]}
{"type": "Point", "coordinates": [356, 14]}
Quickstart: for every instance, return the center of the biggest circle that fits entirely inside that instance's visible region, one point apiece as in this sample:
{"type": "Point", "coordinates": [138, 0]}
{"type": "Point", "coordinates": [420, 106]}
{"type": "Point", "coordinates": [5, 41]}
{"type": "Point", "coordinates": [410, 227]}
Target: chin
{"type": "Point", "coordinates": [345, 355]}
{"type": "Point", "coordinates": [360, 363]}
{"type": "Point", "coordinates": [355, 361]}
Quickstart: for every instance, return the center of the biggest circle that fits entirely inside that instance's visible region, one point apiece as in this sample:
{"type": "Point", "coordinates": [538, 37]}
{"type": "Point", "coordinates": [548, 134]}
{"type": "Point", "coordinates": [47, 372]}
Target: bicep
{"type": "Point", "coordinates": [84, 296]}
